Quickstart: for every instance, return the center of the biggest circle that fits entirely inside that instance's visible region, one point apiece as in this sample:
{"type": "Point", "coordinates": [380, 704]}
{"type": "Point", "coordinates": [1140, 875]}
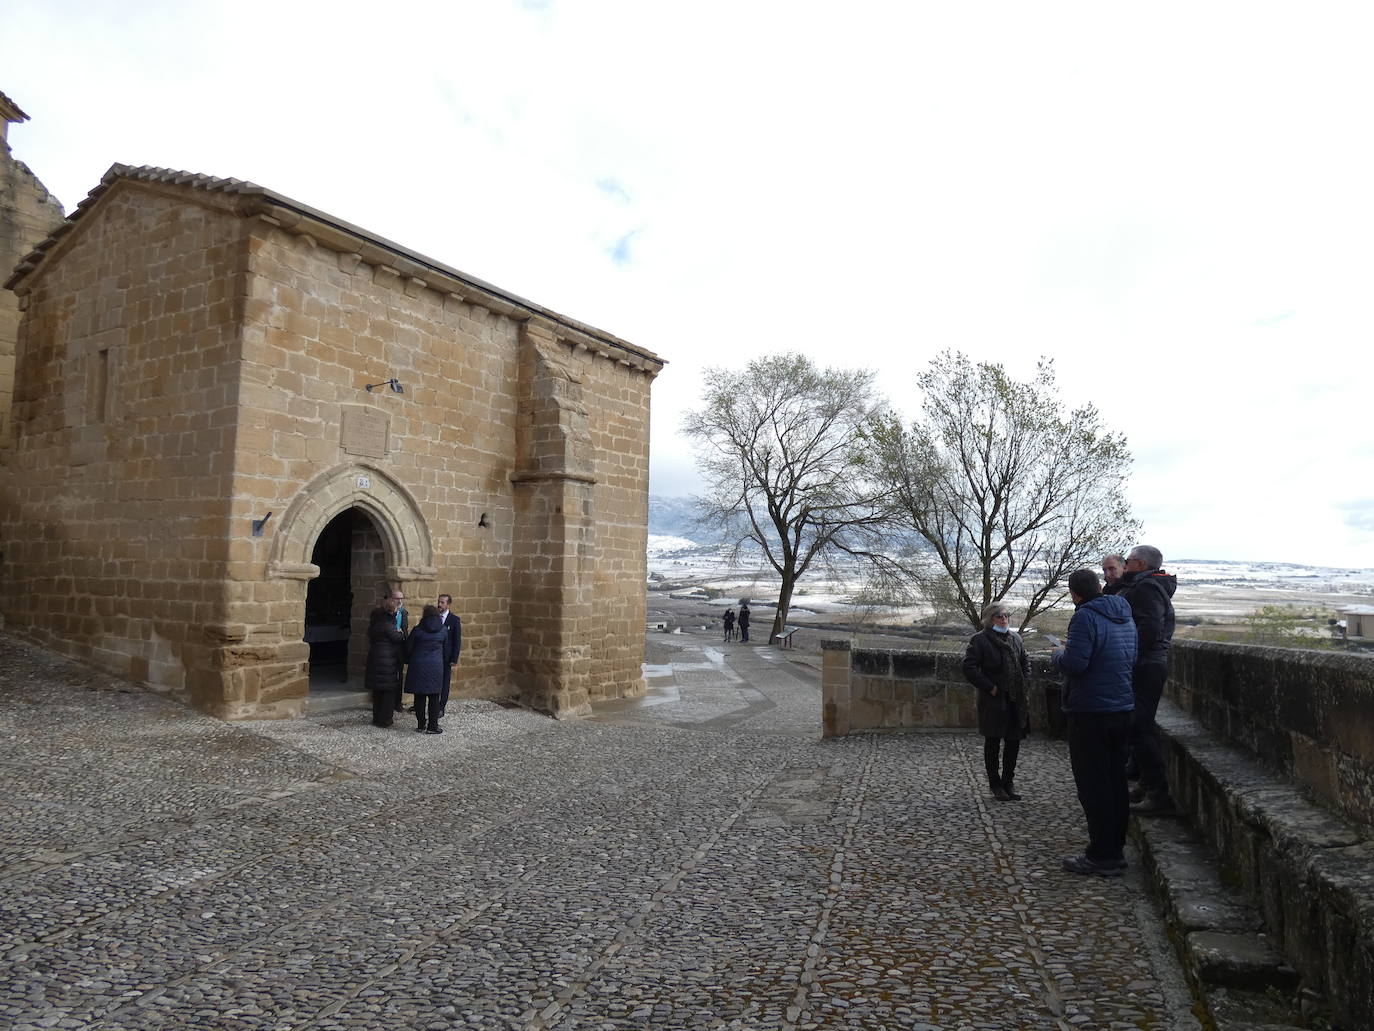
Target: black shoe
{"type": "Point", "coordinates": [382, 725]}
{"type": "Point", "coordinates": [435, 730]}
{"type": "Point", "coordinates": [1000, 793]}
{"type": "Point", "coordinates": [1011, 792]}
{"type": "Point", "coordinates": [420, 729]}
{"type": "Point", "coordinates": [1091, 867]}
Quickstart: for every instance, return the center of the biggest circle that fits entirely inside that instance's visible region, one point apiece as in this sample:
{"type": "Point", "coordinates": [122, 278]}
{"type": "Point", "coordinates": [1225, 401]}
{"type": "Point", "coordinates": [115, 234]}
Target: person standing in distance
{"type": "Point", "coordinates": [744, 621]}
{"type": "Point", "coordinates": [729, 621]}
{"type": "Point", "coordinates": [1150, 592]}
{"type": "Point", "coordinates": [1097, 660]}
{"type": "Point", "coordinates": [453, 627]}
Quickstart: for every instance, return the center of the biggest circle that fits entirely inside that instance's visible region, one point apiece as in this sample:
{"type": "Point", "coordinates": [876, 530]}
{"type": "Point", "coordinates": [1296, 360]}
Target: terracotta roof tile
{"type": "Point", "coordinates": [12, 111]}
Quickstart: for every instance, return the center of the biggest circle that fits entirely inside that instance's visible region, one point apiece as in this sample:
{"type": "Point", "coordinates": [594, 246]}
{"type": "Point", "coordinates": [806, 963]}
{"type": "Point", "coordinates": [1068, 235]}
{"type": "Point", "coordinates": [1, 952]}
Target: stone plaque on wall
{"type": "Point", "coordinates": [364, 432]}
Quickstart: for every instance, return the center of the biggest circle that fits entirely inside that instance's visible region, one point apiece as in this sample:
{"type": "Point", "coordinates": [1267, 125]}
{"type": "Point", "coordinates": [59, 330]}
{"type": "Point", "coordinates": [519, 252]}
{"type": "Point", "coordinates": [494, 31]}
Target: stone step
{"type": "Point", "coordinates": [336, 700]}
{"type": "Point", "coordinates": [1238, 975]}
{"type": "Point", "coordinates": [1247, 961]}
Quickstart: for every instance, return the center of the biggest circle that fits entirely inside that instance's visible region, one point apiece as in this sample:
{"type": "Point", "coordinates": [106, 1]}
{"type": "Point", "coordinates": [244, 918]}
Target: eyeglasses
{"type": "Point", "coordinates": [1001, 615]}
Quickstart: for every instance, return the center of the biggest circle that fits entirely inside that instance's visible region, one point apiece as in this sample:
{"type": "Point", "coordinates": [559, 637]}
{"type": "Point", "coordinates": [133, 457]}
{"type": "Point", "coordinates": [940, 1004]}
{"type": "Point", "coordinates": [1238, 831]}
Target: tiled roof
{"type": "Point", "coordinates": [11, 111]}
{"type": "Point", "coordinates": [410, 261]}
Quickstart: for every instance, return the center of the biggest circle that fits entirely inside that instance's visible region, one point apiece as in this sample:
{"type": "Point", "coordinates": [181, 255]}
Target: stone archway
{"type": "Point", "coordinates": [396, 518]}
{"type": "Point", "coordinates": [392, 509]}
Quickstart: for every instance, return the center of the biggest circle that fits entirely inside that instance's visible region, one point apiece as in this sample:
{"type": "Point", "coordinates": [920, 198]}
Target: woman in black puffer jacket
{"type": "Point", "coordinates": [996, 664]}
{"type": "Point", "coordinates": [386, 643]}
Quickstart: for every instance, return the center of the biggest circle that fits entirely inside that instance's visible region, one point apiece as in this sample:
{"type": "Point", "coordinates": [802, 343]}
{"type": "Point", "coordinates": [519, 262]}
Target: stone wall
{"type": "Point", "coordinates": [618, 424]}
{"type": "Point", "coordinates": [1308, 872]}
{"type": "Point", "coordinates": [28, 213]}
{"type": "Point", "coordinates": [1308, 715]}
{"type": "Point", "coordinates": [117, 486]}
{"type": "Point", "coordinates": [881, 689]}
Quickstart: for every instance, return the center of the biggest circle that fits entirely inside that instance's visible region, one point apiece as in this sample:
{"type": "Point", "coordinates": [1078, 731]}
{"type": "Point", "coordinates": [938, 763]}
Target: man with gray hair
{"type": "Point", "coordinates": [1113, 567]}
{"type": "Point", "coordinates": [1149, 590]}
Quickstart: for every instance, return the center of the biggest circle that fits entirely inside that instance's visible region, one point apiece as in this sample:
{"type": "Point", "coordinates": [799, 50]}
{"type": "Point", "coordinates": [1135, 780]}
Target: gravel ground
{"type": "Point", "coordinates": [699, 859]}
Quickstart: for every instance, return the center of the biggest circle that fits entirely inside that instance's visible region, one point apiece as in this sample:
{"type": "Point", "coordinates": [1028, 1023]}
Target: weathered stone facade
{"type": "Point", "coordinates": [28, 213]}
{"type": "Point", "coordinates": [194, 355]}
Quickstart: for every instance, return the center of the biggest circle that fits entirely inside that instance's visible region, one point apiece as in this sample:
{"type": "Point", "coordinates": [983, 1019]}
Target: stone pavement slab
{"type": "Point", "coordinates": [699, 859]}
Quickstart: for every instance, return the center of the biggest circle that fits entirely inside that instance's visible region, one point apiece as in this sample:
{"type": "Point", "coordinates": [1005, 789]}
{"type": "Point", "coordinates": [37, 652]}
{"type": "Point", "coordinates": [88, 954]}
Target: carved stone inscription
{"type": "Point", "coordinates": [364, 432]}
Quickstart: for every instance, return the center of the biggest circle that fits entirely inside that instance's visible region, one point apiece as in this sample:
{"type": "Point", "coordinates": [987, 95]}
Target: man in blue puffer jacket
{"type": "Point", "coordinates": [1097, 659]}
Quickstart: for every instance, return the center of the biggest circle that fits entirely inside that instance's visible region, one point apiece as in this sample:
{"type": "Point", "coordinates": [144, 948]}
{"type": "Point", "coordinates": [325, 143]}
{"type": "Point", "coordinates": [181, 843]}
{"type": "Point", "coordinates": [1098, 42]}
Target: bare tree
{"type": "Point", "coordinates": [1005, 487]}
{"type": "Point", "coordinates": [779, 445]}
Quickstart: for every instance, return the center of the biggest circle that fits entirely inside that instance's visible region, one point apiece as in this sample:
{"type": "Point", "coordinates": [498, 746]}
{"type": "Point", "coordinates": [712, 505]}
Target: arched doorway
{"type": "Point", "coordinates": [388, 543]}
{"type": "Point", "coordinates": [352, 560]}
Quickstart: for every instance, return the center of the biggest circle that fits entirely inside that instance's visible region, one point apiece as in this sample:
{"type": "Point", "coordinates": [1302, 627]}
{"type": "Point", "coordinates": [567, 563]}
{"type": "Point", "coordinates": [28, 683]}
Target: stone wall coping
{"type": "Point", "coordinates": [1263, 797]}
{"type": "Point", "coordinates": [252, 200]}
{"type": "Point", "coordinates": [1039, 661]}
{"type": "Point", "coordinates": [837, 646]}
{"type": "Point", "coordinates": [1348, 662]}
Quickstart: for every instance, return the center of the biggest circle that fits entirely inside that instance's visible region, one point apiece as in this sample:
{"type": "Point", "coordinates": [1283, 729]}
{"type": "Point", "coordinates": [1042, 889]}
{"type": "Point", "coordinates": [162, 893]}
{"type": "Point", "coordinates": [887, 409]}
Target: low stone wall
{"type": "Point", "coordinates": [1308, 715]}
{"type": "Point", "coordinates": [1309, 872]}
{"type": "Point", "coordinates": [883, 689]}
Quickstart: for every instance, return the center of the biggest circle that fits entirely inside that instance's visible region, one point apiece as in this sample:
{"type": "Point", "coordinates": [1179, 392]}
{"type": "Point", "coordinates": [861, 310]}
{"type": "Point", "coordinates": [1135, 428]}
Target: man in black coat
{"type": "Point", "coordinates": [386, 634]}
{"type": "Point", "coordinates": [453, 627]}
{"type": "Point", "coordinates": [1150, 590]}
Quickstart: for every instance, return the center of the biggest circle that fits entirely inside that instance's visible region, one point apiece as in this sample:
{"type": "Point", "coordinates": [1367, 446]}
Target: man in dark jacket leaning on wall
{"type": "Point", "coordinates": [1150, 592]}
{"type": "Point", "coordinates": [1097, 659]}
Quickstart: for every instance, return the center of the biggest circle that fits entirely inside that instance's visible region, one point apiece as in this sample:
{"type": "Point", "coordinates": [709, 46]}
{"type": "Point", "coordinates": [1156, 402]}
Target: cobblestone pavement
{"type": "Point", "coordinates": [697, 860]}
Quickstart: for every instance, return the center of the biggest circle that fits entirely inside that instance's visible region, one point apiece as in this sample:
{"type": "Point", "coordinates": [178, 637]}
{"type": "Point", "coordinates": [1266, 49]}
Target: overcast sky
{"type": "Point", "coordinates": [1174, 201]}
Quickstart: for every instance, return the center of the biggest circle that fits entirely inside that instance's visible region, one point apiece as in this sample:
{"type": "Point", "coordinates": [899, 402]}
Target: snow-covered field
{"type": "Point", "coordinates": [1218, 591]}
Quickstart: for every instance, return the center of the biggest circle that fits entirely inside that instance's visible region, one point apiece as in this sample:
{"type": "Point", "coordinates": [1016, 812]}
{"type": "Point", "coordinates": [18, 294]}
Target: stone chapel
{"type": "Point", "coordinates": [237, 420]}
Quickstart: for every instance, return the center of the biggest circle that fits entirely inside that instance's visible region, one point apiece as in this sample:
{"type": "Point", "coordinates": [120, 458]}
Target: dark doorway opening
{"type": "Point", "coordinates": [329, 602]}
{"type": "Point", "coordinates": [352, 563]}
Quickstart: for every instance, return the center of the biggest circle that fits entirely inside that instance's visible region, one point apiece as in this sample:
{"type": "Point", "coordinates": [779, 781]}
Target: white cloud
{"type": "Point", "coordinates": [1174, 206]}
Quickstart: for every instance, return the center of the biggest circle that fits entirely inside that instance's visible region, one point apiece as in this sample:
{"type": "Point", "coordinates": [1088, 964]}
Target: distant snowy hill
{"type": "Point", "coordinates": [676, 543]}
{"type": "Point", "coordinates": [672, 517]}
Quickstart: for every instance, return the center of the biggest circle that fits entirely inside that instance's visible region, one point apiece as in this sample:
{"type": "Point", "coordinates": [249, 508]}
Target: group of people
{"type": "Point", "coordinates": [741, 621]}
{"type": "Point", "coordinates": [416, 661]}
{"type": "Point", "coordinates": [1115, 660]}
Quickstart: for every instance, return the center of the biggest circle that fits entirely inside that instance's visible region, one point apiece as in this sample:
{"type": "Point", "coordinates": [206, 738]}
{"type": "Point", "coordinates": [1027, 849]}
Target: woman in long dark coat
{"type": "Point", "coordinates": [427, 652]}
{"type": "Point", "coordinates": [386, 643]}
{"type": "Point", "coordinates": [996, 664]}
